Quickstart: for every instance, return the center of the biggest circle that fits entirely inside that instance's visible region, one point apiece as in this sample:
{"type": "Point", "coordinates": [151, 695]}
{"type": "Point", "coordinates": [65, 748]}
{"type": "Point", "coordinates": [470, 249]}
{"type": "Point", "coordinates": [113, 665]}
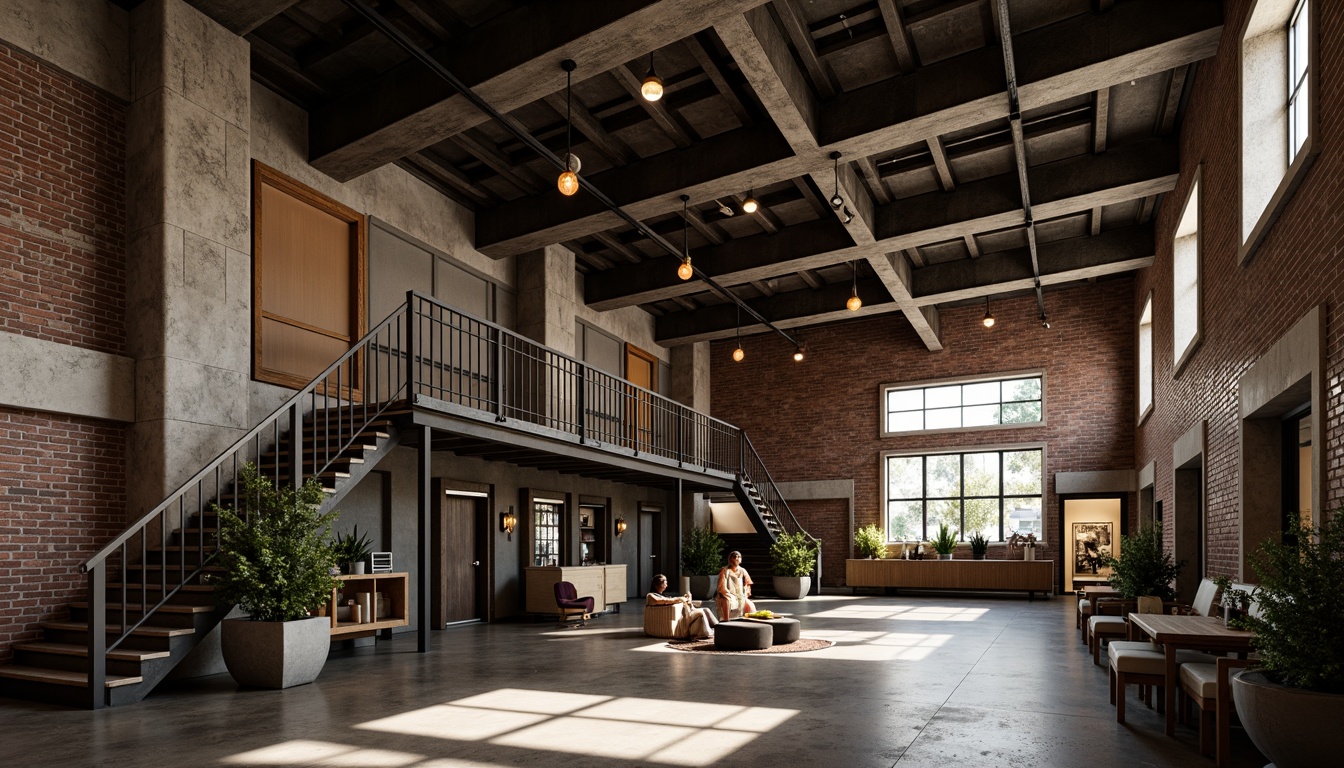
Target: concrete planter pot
{"type": "Point", "coordinates": [792, 587]}
{"type": "Point", "coordinates": [1288, 725]}
{"type": "Point", "coordinates": [703, 587]}
{"type": "Point", "coordinates": [944, 557]}
{"type": "Point", "coordinates": [275, 654]}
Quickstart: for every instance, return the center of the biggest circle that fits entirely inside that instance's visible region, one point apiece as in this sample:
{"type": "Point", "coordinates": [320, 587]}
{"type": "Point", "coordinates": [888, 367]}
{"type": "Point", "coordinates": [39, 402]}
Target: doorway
{"type": "Point", "coordinates": [641, 369]}
{"type": "Point", "coordinates": [1297, 507]}
{"type": "Point", "coordinates": [1090, 530]}
{"type": "Point", "coordinates": [460, 533]}
{"type": "Point", "coordinates": [1187, 541]}
{"type": "Point", "coordinates": [650, 545]}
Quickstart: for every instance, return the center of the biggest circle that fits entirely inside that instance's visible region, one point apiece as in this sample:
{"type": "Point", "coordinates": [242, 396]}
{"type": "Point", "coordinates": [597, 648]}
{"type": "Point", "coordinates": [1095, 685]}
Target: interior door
{"type": "Point", "coordinates": [648, 548]}
{"type": "Point", "coordinates": [458, 563]}
{"type": "Point", "coordinates": [641, 369]}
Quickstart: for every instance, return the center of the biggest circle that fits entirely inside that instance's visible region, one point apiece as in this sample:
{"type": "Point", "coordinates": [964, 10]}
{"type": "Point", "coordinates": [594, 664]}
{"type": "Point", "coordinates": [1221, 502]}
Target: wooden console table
{"type": "Point", "coordinates": [604, 583]}
{"type": "Point", "coordinates": [394, 589]}
{"type": "Point", "coordinates": [1030, 576]}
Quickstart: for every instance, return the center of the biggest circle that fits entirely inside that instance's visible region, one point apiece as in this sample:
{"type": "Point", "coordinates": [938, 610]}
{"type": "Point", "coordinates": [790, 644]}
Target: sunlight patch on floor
{"type": "Point", "coordinates": [878, 646]}
{"type": "Point", "coordinates": [902, 613]}
{"type": "Point", "coordinates": [324, 753]}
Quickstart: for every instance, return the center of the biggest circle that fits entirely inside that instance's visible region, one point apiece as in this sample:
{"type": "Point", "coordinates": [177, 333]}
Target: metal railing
{"type": "Point", "coordinates": [753, 470]}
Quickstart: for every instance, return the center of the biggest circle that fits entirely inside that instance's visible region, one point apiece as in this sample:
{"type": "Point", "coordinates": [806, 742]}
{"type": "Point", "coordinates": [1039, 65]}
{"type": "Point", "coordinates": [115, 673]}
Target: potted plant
{"type": "Point", "coordinates": [277, 567]}
{"type": "Point", "coordinates": [352, 550]}
{"type": "Point", "coordinates": [1025, 542]}
{"type": "Point", "coordinates": [1144, 569]}
{"type": "Point", "coordinates": [945, 543]}
{"type": "Point", "coordinates": [1295, 693]}
{"type": "Point", "coordinates": [979, 546]}
{"type": "Point", "coordinates": [795, 558]}
{"type": "Point", "coordinates": [701, 559]}
{"type": "Point", "coordinates": [870, 542]}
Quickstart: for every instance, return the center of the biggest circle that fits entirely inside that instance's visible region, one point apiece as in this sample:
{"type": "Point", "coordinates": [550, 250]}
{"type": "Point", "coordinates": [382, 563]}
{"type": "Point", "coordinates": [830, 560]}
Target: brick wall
{"type": "Point", "coordinates": [1246, 309]}
{"type": "Point", "coordinates": [61, 497]}
{"type": "Point", "coordinates": [820, 420]}
{"type": "Point", "coordinates": [62, 207]}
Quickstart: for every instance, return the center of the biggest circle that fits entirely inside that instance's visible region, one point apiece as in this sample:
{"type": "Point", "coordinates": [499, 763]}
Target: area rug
{"type": "Point", "coordinates": [801, 645]}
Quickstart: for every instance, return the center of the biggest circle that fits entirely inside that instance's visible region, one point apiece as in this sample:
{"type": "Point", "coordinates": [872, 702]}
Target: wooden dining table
{"type": "Point", "coordinates": [1095, 593]}
{"type": "Point", "coordinates": [1200, 633]}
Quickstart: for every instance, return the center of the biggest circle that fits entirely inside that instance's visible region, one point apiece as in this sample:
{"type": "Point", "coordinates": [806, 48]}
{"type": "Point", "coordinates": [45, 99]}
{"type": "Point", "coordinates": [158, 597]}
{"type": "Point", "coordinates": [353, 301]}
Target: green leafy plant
{"type": "Point", "coordinates": [351, 547]}
{"type": "Point", "coordinates": [274, 549]}
{"type": "Point", "coordinates": [702, 552]}
{"type": "Point", "coordinates": [794, 554]}
{"type": "Point", "coordinates": [1299, 626]}
{"type": "Point", "coordinates": [979, 545]}
{"type": "Point", "coordinates": [1144, 569]}
{"type": "Point", "coordinates": [869, 541]}
{"type": "Point", "coordinates": [946, 541]}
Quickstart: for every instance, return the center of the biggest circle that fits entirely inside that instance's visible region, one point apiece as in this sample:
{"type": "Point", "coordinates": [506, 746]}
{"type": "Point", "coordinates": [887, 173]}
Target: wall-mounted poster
{"type": "Point", "coordinates": [1091, 546]}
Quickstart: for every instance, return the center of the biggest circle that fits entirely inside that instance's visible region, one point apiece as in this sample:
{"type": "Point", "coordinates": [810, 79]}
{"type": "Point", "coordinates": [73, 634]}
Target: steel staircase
{"type": "Point", "coordinates": [770, 516]}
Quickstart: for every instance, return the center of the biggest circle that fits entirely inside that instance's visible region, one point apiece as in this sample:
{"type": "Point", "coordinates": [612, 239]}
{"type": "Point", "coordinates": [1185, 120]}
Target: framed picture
{"type": "Point", "coordinates": [585, 520]}
{"type": "Point", "coordinates": [1092, 544]}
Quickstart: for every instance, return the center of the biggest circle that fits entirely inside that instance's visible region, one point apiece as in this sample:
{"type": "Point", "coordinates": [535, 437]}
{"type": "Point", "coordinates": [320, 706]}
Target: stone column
{"type": "Point", "coordinates": [546, 308]}
{"type": "Point", "coordinates": [690, 387]}
{"type": "Point", "coordinates": [189, 255]}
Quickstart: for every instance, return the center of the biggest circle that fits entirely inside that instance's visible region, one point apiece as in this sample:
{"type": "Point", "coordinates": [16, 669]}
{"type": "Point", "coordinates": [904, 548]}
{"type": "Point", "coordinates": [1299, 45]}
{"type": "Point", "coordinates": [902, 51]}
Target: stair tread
{"type": "Point", "coordinates": [62, 677]}
{"type": "Point", "coordinates": [144, 630]}
{"type": "Point", "coordinates": [72, 649]}
{"type": "Point", "coordinates": [169, 608]}
{"type": "Point", "coordinates": [159, 588]}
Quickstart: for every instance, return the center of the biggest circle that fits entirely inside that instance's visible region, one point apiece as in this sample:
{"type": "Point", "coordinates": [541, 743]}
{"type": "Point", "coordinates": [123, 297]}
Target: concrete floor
{"type": "Point", "coordinates": [912, 681]}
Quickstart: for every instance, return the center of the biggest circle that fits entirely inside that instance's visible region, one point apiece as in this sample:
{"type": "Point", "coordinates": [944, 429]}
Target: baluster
{"type": "Point", "coordinates": [97, 634]}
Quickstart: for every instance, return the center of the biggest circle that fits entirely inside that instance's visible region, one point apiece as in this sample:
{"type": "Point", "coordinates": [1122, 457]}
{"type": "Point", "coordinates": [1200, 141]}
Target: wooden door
{"type": "Point", "coordinates": [650, 545]}
{"type": "Point", "coordinates": [458, 565]}
{"type": "Point", "coordinates": [641, 370]}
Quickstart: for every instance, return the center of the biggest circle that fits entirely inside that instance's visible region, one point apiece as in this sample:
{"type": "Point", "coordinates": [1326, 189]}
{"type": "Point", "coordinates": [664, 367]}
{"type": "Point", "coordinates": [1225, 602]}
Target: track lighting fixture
{"type": "Point", "coordinates": [652, 87]}
{"type": "Point", "coordinates": [989, 317]}
{"type": "Point", "coordinates": [836, 199]}
{"type": "Point", "coordinates": [1045, 323]}
{"type": "Point", "coordinates": [738, 354]}
{"type": "Point", "coordinates": [750, 205]}
{"type": "Point", "coordinates": [798, 354]}
{"type": "Point", "coordinates": [724, 209]}
{"type": "Point", "coordinates": [846, 215]}
{"type": "Point", "coordinates": [568, 183]}
{"type": "Point", "coordinates": [685, 272]}
{"type": "Point", "coordinates": [854, 302]}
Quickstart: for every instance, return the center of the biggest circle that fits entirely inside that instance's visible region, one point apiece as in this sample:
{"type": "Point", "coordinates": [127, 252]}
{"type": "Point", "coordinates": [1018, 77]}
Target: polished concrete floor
{"type": "Point", "coordinates": [911, 681]}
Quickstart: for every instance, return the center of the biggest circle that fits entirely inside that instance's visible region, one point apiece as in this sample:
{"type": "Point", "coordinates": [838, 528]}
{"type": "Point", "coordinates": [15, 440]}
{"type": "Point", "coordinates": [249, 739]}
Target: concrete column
{"type": "Point", "coordinates": [546, 304]}
{"type": "Point", "coordinates": [690, 375]}
{"type": "Point", "coordinates": [189, 255]}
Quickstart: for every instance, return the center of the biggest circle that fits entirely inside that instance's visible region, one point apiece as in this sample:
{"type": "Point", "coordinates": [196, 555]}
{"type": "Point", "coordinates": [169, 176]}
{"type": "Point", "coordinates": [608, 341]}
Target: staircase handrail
{"type": "Point", "coordinates": [747, 446]}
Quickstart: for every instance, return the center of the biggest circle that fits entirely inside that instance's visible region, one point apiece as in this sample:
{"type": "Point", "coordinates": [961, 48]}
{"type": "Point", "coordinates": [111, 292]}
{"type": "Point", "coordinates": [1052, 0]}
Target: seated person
{"type": "Point", "coordinates": [735, 588]}
{"type": "Point", "coordinates": [695, 623]}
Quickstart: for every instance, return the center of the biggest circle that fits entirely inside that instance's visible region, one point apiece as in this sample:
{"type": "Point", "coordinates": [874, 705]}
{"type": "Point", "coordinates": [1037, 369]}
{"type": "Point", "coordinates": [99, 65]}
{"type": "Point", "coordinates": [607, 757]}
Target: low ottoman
{"type": "Point", "coordinates": [785, 630]}
{"type": "Point", "coordinates": [742, 636]}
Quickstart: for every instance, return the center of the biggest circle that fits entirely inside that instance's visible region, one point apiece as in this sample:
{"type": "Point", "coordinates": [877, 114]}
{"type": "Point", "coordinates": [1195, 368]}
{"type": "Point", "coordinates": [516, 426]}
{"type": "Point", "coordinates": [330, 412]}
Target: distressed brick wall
{"type": "Point", "coordinates": [62, 207]}
{"type": "Point", "coordinates": [1245, 309]}
{"type": "Point", "coordinates": [820, 420]}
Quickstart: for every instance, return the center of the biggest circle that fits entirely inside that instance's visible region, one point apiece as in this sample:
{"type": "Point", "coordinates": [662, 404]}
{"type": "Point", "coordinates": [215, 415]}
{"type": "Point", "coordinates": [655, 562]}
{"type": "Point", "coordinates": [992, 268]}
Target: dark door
{"type": "Point", "coordinates": [649, 546]}
{"type": "Point", "coordinates": [458, 563]}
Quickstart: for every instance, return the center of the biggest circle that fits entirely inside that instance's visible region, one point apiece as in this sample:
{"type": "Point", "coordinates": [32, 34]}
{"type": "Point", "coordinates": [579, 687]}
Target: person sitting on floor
{"type": "Point", "coordinates": [735, 588]}
{"type": "Point", "coordinates": [695, 623]}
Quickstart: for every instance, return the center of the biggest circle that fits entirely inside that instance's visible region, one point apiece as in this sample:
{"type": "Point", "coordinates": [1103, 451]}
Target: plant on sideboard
{"type": "Point", "coordinates": [979, 546]}
{"type": "Point", "coordinates": [869, 541]}
{"type": "Point", "coordinates": [945, 543]}
{"type": "Point", "coordinates": [352, 550]}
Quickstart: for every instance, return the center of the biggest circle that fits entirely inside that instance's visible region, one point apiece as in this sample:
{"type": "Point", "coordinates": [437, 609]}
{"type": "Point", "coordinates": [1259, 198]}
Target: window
{"type": "Point", "coordinates": [966, 404]}
{"type": "Point", "coordinates": [994, 493]}
{"type": "Point", "coordinates": [546, 516]}
{"type": "Point", "coordinates": [1146, 358]}
{"type": "Point", "coordinates": [1185, 285]}
{"type": "Point", "coordinates": [1298, 90]}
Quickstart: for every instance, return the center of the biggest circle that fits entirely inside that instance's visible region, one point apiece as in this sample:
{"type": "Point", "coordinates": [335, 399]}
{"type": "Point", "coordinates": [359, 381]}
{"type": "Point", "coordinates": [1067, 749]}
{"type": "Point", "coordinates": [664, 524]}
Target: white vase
{"type": "Point", "coordinates": [1028, 553]}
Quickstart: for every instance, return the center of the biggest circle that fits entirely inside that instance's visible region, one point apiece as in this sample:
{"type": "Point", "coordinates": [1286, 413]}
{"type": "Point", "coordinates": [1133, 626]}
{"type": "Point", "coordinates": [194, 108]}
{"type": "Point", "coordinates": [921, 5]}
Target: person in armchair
{"type": "Point", "coordinates": [734, 598]}
{"type": "Point", "coordinates": [675, 617]}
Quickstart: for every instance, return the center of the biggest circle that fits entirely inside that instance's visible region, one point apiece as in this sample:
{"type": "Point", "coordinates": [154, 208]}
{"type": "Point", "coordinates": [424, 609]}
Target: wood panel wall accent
{"type": "Point", "coordinates": [308, 280]}
{"type": "Point", "coordinates": [1028, 576]}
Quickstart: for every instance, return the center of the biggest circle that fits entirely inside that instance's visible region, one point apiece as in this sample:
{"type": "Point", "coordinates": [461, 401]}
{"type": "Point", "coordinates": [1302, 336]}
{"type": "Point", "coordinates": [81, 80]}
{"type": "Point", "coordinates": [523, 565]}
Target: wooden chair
{"type": "Point", "coordinates": [1139, 666]}
{"type": "Point", "coordinates": [1208, 686]}
{"type": "Point", "coordinates": [1108, 623]}
{"type": "Point", "coordinates": [1084, 613]}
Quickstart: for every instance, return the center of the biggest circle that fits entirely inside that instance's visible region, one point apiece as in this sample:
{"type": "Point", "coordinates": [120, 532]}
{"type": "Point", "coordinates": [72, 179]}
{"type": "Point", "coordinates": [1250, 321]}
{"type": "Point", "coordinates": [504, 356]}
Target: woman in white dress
{"type": "Point", "coordinates": [695, 623]}
{"type": "Point", "coordinates": [735, 588]}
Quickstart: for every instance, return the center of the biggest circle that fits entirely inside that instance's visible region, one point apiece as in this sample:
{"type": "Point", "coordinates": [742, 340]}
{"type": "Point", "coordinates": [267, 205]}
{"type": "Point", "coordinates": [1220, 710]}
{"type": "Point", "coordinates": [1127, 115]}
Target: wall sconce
{"type": "Point", "coordinates": [508, 522]}
{"type": "Point", "coordinates": [621, 525]}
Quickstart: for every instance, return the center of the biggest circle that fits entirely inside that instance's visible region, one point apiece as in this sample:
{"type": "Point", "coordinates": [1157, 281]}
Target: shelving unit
{"type": "Point", "coordinates": [592, 522]}
{"type": "Point", "coordinates": [395, 590]}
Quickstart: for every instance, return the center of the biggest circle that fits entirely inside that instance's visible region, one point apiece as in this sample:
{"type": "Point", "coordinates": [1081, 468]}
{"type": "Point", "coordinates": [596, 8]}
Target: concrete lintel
{"type": "Point", "coordinates": [1099, 481]}
{"type": "Point", "coordinates": [1188, 450]}
{"type": "Point", "coordinates": [1146, 475]}
{"type": "Point", "coordinates": [812, 490]}
{"type": "Point", "coordinates": [42, 375]}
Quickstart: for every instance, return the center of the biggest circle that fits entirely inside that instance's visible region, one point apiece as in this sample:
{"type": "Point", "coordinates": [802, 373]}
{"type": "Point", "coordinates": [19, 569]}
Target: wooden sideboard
{"type": "Point", "coordinates": [604, 583]}
{"type": "Point", "coordinates": [394, 589]}
{"type": "Point", "coordinates": [1030, 576]}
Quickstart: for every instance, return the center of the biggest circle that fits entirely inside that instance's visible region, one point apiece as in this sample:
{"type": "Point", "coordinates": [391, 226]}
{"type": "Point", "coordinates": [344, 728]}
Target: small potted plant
{"type": "Point", "coordinates": [979, 546]}
{"type": "Point", "coordinates": [945, 543]}
{"type": "Point", "coordinates": [795, 558]}
{"type": "Point", "coordinates": [277, 561]}
{"type": "Point", "coordinates": [352, 550]}
{"type": "Point", "coordinates": [870, 542]}
{"type": "Point", "coordinates": [1025, 542]}
{"type": "Point", "coordinates": [1144, 568]}
{"type": "Point", "coordinates": [701, 559]}
{"type": "Point", "coordinates": [1294, 695]}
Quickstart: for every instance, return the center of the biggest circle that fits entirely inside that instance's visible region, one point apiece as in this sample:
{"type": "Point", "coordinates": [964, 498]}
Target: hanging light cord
{"type": "Point", "coordinates": [387, 28]}
{"type": "Point", "coordinates": [569, 123]}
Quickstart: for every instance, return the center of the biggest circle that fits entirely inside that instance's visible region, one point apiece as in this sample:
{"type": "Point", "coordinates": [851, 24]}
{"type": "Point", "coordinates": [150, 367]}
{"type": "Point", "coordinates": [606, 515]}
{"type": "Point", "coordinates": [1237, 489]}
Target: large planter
{"type": "Point", "coordinates": [1288, 725]}
{"type": "Point", "coordinates": [703, 587]}
{"type": "Point", "coordinates": [792, 587]}
{"type": "Point", "coordinates": [276, 654]}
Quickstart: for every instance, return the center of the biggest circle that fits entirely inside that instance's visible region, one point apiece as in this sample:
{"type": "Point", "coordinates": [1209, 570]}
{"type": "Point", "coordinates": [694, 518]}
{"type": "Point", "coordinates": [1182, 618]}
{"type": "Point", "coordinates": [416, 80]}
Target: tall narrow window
{"type": "Point", "coordinates": [546, 531]}
{"type": "Point", "coordinates": [1298, 61]}
{"type": "Point", "coordinates": [1185, 296]}
{"type": "Point", "coordinates": [1146, 358]}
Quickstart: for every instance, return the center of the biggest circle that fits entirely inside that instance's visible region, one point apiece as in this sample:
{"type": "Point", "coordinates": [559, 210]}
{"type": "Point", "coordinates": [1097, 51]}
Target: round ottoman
{"type": "Point", "coordinates": [742, 636]}
{"type": "Point", "coordinates": [785, 630]}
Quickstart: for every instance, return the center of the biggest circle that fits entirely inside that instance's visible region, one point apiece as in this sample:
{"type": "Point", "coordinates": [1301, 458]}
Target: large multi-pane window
{"type": "Point", "coordinates": [980, 403]}
{"type": "Point", "coordinates": [1298, 97]}
{"type": "Point", "coordinates": [546, 532]}
{"type": "Point", "coordinates": [994, 493]}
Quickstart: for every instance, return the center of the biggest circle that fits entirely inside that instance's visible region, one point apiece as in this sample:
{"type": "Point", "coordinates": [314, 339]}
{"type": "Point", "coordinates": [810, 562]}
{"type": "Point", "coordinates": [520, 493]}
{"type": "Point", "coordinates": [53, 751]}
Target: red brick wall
{"type": "Point", "coordinates": [1246, 309]}
{"type": "Point", "coordinates": [62, 207]}
{"type": "Point", "coordinates": [820, 420]}
{"type": "Point", "coordinates": [62, 496]}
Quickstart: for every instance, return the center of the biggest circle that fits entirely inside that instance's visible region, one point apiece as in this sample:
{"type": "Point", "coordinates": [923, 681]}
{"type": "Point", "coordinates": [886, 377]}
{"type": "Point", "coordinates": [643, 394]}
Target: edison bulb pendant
{"type": "Point", "coordinates": [854, 303]}
{"type": "Point", "coordinates": [738, 354]}
{"type": "Point", "coordinates": [568, 183]}
{"type": "Point", "coordinates": [684, 271]}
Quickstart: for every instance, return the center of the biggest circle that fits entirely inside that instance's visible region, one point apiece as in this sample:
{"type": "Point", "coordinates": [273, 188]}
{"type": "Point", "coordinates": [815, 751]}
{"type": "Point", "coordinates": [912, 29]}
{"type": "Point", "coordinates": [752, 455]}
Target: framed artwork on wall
{"type": "Point", "coordinates": [1092, 544]}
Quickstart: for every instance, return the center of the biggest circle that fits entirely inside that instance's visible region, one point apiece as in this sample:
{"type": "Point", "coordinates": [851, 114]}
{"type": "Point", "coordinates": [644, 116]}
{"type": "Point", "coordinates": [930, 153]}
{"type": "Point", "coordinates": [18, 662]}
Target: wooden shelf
{"type": "Point", "coordinates": [395, 590]}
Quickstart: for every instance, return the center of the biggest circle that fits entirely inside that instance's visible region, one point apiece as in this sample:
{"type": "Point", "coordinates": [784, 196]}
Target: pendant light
{"type": "Point", "coordinates": [836, 199]}
{"type": "Point", "coordinates": [750, 205]}
{"type": "Point", "coordinates": [738, 354]}
{"type": "Point", "coordinates": [798, 354]}
{"type": "Point", "coordinates": [685, 272]}
{"type": "Point", "coordinates": [652, 87]}
{"type": "Point", "coordinates": [854, 301]}
{"type": "Point", "coordinates": [989, 317]}
{"type": "Point", "coordinates": [568, 183]}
